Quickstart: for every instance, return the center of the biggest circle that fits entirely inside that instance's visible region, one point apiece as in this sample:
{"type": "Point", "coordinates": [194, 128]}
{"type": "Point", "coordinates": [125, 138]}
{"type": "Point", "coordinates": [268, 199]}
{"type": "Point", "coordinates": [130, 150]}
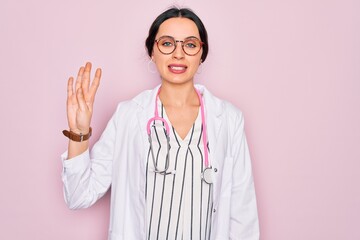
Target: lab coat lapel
{"type": "Point", "coordinates": [214, 118]}
{"type": "Point", "coordinates": [147, 103]}
{"type": "Point", "coordinates": [213, 111]}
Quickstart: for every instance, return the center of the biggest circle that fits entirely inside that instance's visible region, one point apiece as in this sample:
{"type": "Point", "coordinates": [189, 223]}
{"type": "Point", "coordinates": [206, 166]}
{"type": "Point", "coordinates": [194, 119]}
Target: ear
{"type": "Point", "coordinates": [200, 62]}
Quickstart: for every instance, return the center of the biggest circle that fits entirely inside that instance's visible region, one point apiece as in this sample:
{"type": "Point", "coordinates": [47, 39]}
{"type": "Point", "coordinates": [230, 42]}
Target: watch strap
{"type": "Point", "coordinates": [77, 137]}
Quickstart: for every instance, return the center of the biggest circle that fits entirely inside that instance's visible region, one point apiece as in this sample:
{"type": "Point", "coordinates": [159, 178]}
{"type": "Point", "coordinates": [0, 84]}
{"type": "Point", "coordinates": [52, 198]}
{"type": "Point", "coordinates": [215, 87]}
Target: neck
{"type": "Point", "coordinates": [178, 95]}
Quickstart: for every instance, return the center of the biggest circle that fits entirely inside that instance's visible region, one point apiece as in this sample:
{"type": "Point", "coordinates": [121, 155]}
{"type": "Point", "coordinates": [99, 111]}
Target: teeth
{"type": "Point", "coordinates": [177, 68]}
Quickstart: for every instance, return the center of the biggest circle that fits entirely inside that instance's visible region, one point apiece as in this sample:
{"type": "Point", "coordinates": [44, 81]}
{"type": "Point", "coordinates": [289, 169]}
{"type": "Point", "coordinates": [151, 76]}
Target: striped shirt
{"type": "Point", "coordinates": [179, 206]}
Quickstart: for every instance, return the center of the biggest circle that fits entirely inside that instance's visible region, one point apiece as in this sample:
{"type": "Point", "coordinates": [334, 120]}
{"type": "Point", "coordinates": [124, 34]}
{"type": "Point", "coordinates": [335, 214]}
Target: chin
{"type": "Point", "coordinates": [177, 80]}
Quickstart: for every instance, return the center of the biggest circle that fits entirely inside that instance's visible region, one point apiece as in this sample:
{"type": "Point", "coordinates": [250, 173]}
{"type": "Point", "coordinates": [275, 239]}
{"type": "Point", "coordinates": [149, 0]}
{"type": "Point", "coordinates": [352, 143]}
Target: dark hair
{"type": "Point", "coordinates": [173, 13]}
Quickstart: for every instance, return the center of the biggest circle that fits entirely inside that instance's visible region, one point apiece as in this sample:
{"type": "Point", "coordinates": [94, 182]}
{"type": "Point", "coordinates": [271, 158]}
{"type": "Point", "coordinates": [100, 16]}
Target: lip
{"type": "Point", "coordinates": [177, 68]}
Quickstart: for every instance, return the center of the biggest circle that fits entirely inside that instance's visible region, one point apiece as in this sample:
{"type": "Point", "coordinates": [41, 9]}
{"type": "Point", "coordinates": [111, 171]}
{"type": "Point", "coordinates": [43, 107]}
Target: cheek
{"type": "Point", "coordinates": [196, 63]}
{"type": "Point", "coordinates": [160, 63]}
{"type": "Point", "coordinates": [157, 57]}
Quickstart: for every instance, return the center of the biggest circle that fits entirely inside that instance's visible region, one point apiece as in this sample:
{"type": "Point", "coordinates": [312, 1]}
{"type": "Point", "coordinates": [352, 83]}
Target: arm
{"type": "Point", "coordinates": [85, 180]}
{"type": "Point", "coordinates": [244, 223]}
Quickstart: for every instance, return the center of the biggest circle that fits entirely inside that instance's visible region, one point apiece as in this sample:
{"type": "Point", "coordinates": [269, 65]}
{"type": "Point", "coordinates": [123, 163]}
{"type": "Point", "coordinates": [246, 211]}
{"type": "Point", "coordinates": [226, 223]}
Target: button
{"type": "Point", "coordinates": [215, 169]}
{"type": "Point", "coordinates": [214, 210]}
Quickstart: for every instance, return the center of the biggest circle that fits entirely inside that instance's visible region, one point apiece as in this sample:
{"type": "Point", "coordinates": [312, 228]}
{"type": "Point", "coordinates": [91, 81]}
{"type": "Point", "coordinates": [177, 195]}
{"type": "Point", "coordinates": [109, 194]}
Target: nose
{"type": "Point", "coordinates": [179, 52]}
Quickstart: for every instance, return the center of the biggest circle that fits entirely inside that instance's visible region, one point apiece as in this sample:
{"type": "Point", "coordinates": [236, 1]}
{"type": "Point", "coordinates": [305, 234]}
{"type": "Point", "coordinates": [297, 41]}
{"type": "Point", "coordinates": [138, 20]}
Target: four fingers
{"type": "Point", "coordinates": [81, 97]}
{"type": "Point", "coordinates": [83, 94]}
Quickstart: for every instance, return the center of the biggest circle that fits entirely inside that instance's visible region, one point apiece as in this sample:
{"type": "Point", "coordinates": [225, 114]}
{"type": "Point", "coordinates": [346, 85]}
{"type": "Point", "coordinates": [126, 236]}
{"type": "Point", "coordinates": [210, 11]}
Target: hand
{"type": "Point", "coordinates": [80, 101]}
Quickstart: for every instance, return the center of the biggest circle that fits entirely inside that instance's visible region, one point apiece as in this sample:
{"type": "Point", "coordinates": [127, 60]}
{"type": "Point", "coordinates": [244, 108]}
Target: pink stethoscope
{"type": "Point", "coordinates": [206, 175]}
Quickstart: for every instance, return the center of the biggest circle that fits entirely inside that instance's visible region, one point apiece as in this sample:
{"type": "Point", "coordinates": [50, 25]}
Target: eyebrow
{"type": "Point", "coordinates": [191, 37]}
{"type": "Point", "coordinates": [178, 39]}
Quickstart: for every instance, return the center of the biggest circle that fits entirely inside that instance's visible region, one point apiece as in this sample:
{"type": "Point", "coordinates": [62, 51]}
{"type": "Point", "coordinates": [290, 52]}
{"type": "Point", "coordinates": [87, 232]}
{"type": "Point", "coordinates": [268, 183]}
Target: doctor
{"type": "Point", "coordinates": [176, 157]}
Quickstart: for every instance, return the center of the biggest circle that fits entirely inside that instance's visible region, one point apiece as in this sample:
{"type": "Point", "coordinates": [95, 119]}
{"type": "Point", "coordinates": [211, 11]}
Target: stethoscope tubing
{"type": "Point", "coordinates": [204, 128]}
{"type": "Point", "coordinates": [206, 177]}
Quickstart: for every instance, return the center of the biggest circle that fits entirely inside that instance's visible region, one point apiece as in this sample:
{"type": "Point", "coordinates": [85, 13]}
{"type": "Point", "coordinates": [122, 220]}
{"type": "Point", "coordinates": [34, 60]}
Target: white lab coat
{"type": "Point", "coordinates": [119, 159]}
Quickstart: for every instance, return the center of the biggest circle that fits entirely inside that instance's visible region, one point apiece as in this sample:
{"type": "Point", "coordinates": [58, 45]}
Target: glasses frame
{"type": "Point", "coordinates": [178, 41]}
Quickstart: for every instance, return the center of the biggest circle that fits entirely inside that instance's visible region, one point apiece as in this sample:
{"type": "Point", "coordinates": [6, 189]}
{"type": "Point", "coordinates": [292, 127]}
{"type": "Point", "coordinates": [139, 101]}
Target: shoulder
{"type": "Point", "coordinates": [128, 109]}
{"type": "Point", "coordinates": [139, 102]}
{"type": "Point", "coordinates": [221, 107]}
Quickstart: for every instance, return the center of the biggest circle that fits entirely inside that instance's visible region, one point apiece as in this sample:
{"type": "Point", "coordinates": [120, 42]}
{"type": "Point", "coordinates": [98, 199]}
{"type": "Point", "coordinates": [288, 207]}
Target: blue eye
{"type": "Point", "coordinates": [190, 45]}
{"type": "Point", "coordinates": [166, 44]}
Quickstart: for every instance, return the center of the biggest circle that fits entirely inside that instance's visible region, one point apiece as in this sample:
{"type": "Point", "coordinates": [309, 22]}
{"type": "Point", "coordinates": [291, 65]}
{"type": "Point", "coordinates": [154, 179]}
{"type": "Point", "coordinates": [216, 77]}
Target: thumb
{"type": "Point", "coordinates": [81, 99]}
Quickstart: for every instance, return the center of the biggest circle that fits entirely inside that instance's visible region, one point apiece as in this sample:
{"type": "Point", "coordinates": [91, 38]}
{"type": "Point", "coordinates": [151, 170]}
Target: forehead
{"type": "Point", "coordinates": [178, 28]}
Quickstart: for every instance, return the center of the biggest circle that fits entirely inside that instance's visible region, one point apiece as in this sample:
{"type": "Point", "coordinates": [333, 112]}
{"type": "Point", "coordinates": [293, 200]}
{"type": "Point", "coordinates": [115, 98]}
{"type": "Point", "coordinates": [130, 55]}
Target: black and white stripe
{"type": "Point", "coordinates": [179, 205]}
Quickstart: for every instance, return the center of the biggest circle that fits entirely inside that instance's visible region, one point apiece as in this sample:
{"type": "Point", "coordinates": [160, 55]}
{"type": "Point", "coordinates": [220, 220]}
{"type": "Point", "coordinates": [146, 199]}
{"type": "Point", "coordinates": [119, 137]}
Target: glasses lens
{"type": "Point", "coordinates": [166, 45]}
{"type": "Point", "coordinates": [192, 46]}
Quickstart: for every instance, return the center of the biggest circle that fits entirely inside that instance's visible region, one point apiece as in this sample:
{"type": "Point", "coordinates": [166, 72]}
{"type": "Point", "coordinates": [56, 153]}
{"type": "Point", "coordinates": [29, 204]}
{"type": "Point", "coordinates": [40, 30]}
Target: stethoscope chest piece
{"type": "Point", "coordinates": [207, 175]}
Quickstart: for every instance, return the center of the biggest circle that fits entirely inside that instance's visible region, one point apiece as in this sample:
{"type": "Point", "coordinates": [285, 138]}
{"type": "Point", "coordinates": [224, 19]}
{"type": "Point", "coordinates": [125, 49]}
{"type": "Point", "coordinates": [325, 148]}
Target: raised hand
{"type": "Point", "coordinates": [80, 99]}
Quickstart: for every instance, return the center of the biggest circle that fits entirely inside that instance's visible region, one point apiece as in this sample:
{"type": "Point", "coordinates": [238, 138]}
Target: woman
{"type": "Point", "coordinates": [176, 157]}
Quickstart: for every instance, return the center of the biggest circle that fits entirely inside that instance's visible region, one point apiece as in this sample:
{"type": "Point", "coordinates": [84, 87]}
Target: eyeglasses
{"type": "Point", "coordinates": [167, 45]}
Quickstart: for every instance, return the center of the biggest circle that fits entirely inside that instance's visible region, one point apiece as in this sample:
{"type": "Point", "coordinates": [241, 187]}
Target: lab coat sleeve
{"type": "Point", "coordinates": [244, 224]}
{"type": "Point", "coordinates": [87, 176]}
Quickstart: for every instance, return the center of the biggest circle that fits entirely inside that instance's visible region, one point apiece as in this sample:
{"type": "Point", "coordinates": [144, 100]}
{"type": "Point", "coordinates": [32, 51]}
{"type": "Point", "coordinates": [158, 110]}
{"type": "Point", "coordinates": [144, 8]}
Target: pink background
{"type": "Point", "coordinates": [293, 67]}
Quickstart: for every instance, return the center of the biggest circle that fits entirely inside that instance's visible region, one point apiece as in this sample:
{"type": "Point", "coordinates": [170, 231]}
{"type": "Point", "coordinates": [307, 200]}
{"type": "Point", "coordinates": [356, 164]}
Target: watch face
{"type": "Point", "coordinates": [207, 175]}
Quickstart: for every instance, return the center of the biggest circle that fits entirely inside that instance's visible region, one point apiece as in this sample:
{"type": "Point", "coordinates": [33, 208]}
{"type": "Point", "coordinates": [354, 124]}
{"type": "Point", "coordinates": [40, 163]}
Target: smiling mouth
{"type": "Point", "coordinates": [177, 69]}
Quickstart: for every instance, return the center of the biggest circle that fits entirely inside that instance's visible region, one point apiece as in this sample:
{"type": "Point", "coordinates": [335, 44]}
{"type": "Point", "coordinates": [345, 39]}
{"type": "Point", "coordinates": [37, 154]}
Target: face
{"type": "Point", "coordinates": [177, 67]}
